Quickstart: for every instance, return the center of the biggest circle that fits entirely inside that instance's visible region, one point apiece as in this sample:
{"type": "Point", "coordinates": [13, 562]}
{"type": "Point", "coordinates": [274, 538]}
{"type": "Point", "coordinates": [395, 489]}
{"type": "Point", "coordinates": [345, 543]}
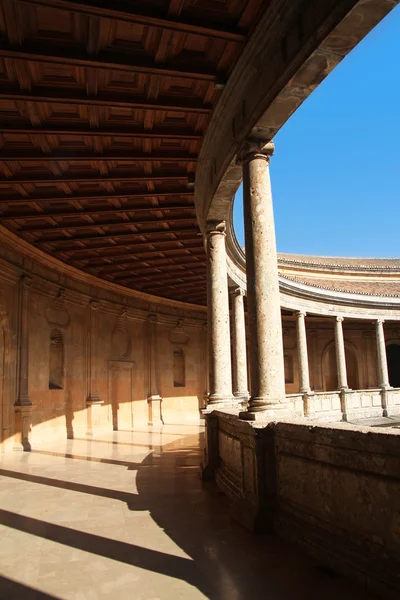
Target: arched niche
{"type": "Point", "coordinates": [56, 360]}
{"type": "Point", "coordinates": [393, 362]}
{"type": "Point", "coordinates": [179, 367]}
{"type": "Point", "coordinates": [329, 367]}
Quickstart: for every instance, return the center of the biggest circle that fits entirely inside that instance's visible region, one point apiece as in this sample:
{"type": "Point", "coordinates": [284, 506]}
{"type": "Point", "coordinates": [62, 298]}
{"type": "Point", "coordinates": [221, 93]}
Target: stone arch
{"type": "Point", "coordinates": [329, 367]}
{"type": "Point", "coordinates": [179, 369]}
{"type": "Point", "coordinates": [56, 360]}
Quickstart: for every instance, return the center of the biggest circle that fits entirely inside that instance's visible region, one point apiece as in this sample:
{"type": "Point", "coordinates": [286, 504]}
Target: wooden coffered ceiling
{"type": "Point", "coordinates": [103, 108]}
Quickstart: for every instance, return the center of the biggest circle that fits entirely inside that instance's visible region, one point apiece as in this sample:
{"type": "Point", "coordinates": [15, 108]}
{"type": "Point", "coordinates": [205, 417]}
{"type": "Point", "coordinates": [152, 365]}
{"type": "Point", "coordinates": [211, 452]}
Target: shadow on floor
{"type": "Point", "coordinates": [12, 590]}
{"type": "Point", "coordinates": [225, 562]}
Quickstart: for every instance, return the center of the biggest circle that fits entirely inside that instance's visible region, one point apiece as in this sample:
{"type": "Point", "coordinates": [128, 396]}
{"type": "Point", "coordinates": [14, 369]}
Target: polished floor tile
{"type": "Point", "coordinates": [125, 515]}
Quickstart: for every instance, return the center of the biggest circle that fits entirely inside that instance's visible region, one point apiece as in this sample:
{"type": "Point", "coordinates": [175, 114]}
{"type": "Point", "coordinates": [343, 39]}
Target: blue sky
{"type": "Point", "coordinates": [336, 169]}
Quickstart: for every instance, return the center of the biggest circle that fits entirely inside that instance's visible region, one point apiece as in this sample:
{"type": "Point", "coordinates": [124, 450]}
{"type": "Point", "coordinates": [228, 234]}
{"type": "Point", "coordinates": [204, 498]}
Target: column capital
{"type": "Point", "coordinates": [300, 314]}
{"type": "Point", "coordinates": [94, 305]}
{"type": "Point", "coordinates": [215, 228]}
{"type": "Point", "coordinates": [379, 321]}
{"type": "Point", "coordinates": [152, 318]}
{"type": "Point", "coordinates": [253, 148]}
{"type": "Point", "coordinates": [339, 319]}
{"type": "Point", "coordinates": [26, 281]}
{"type": "Point", "coordinates": [238, 292]}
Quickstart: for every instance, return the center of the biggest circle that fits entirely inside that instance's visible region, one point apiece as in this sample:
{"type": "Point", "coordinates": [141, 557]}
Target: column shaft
{"type": "Point", "coordinates": [23, 342]}
{"type": "Point", "coordinates": [239, 366]}
{"type": "Point", "coordinates": [340, 355]}
{"type": "Point", "coordinates": [218, 316]}
{"type": "Point", "coordinates": [381, 353]}
{"type": "Point", "coordinates": [154, 399]}
{"type": "Point", "coordinates": [93, 396]}
{"type": "Point", "coordinates": [303, 353]}
{"type": "Point", "coordinates": [263, 301]}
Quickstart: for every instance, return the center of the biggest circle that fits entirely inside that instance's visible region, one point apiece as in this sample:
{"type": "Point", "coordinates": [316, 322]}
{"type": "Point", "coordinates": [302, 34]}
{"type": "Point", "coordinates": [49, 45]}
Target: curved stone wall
{"type": "Point", "coordinates": [78, 354]}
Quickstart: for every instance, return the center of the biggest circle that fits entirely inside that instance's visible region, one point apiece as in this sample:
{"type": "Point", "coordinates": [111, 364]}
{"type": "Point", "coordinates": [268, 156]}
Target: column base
{"type": "Point", "coordinates": [155, 415]}
{"type": "Point", "coordinates": [242, 396]}
{"type": "Point", "coordinates": [268, 412]}
{"type": "Point", "coordinates": [92, 413]}
{"type": "Point", "coordinates": [222, 403]}
{"type": "Point", "coordinates": [23, 426]}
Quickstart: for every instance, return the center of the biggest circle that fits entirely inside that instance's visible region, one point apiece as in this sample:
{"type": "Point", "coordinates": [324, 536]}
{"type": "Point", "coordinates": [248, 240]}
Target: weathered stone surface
{"type": "Point", "coordinates": [332, 489]}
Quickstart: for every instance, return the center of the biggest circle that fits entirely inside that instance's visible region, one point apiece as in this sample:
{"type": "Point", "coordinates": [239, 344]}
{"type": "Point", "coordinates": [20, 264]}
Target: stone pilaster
{"type": "Point", "coordinates": [93, 399]}
{"type": "Point", "coordinates": [23, 405]}
{"type": "Point", "coordinates": [239, 363]}
{"type": "Point", "coordinates": [367, 336]}
{"type": "Point", "coordinates": [154, 399]}
{"type": "Point", "coordinates": [340, 355]}
{"type": "Point", "coordinates": [263, 301]}
{"type": "Point", "coordinates": [218, 317]}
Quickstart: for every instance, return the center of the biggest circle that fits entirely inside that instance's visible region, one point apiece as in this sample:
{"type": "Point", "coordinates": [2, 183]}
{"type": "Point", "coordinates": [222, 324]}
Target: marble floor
{"type": "Point", "coordinates": [125, 515]}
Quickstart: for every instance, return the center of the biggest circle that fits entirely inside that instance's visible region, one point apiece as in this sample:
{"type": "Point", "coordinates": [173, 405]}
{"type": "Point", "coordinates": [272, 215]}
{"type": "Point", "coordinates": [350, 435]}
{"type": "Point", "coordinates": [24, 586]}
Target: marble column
{"type": "Point", "coordinates": [302, 353]}
{"type": "Point", "coordinates": [239, 366]}
{"type": "Point", "coordinates": [340, 355]}
{"type": "Point", "coordinates": [381, 355]}
{"type": "Point", "coordinates": [218, 317]}
{"type": "Point", "coordinates": [154, 399]}
{"type": "Point", "coordinates": [93, 399]}
{"type": "Point", "coordinates": [263, 301]}
{"type": "Point", "coordinates": [23, 405]}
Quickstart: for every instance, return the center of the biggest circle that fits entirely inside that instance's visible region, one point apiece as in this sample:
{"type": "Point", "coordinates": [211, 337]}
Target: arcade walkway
{"type": "Point", "coordinates": [125, 515]}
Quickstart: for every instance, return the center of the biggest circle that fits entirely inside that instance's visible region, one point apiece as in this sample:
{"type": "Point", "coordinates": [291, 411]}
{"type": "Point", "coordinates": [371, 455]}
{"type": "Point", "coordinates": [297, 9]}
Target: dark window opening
{"type": "Point", "coordinates": [179, 368]}
{"type": "Point", "coordinates": [393, 360]}
{"type": "Point", "coordinates": [56, 360]}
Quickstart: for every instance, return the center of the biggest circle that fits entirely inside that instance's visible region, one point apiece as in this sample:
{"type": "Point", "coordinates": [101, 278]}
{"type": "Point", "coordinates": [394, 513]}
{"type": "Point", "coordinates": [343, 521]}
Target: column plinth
{"type": "Point", "coordinates": [263, 300]}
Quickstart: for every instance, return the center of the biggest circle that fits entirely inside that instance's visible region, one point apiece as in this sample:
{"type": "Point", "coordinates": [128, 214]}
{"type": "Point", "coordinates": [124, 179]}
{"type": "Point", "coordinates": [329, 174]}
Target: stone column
{"type": "Point", "coordinates": [263, 301]}
{"type": "Point", "coordinates": [302, 353]}
{"type": "Point", "coordinates": [93, 399]}
{"type": "Point", "coordinates": [239, 370]}
{"type": "Point", "coordinates": [153, 399]}
{"type": "Point", "coordinates": [340, 355]}
{"type": "Point", "coordinates": [23, 405]}
{"type": "Point", "coordinates": [218, 317]}
{"type": "Point", "coordinates": [381, 355]}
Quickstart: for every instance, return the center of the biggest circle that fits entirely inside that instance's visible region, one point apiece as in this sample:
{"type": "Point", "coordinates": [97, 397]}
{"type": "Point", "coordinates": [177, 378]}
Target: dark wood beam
{"type": "Point", "coordinates": [147, 265]}
{"type": "Point", "coordinates": [77, 97]}
{"type": "Point", "coordinates": [51, 178]}
{"type": "Point", "coordinates": [79, 156]}
{"type": "Point", "coordinates": [68, 226]}
{"type": "Point", "coordinates": [193, 237]}
{"type": "Point", "coordinates": [115, 131]}
{"type": "Point", "coordinates": [98, 238]}
{"type": "Point", "coordinates": [151, 257]}
{"type": "Point", "coordinates": [163, 276]}
{"type": "Point", "coordinates": [131, 63]}
{"type": "Point", "coordinates": [138, 249]}
{"type": "Point", "coordinates": [93, 211]}
{"type": "Point", "coordinates": [181, 192]}
{"type": "Point", "coordinates": [189, 281]}
{"type": "Point", "coordinates": [122, 11]}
